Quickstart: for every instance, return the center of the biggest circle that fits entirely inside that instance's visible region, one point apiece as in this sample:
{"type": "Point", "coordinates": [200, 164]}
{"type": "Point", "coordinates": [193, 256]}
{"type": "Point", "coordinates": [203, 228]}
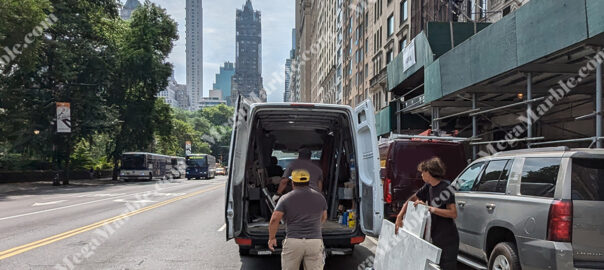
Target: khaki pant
{"type": "Point", "coordinates": [311, 251]}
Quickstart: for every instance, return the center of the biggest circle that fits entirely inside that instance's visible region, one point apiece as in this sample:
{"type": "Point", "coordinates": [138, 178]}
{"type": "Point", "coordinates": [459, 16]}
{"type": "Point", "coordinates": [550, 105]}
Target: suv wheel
{"type": "Point", "coordinates": [504, 257]}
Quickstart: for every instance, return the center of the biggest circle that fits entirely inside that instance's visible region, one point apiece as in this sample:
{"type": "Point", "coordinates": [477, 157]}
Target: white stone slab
{"type": "Point", "coordinates": [416, 219]}
{"type": "Point", "coordinates": [403, 251]}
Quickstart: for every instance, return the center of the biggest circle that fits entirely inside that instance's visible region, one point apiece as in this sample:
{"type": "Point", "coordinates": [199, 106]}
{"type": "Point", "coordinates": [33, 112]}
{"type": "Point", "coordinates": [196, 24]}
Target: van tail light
{"type": "Point", "coordinates": [560, 224]}
{"type": "Point", "coordinates": [357, 240]}
{"type": "Point", "coordinates": [243, 241]}
{"type": "Point", "coordinates": [388, 190]}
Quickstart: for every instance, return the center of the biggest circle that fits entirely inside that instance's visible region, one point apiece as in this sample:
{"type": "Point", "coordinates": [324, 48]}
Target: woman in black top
{"type": "Point", "coordinates": [440, 197]}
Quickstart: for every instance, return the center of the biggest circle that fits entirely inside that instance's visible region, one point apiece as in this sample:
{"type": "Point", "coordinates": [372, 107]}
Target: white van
{"type": "Point", "coordinates": [344, 144]}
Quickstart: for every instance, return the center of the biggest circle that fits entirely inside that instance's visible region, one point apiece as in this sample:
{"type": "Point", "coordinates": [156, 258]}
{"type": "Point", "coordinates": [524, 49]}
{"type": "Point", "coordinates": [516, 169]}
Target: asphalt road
{"type": "Point", "coordinates": [176, 225]}
{"type": "Point", "coordinates": [116, 225]}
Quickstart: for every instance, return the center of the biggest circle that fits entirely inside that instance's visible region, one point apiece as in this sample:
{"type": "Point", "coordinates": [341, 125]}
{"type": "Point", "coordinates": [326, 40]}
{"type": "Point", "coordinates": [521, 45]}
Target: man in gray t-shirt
{"type": "Point", "coordinates": [302, 163]}
{"type": "Point", "coordinates": [304, 210]}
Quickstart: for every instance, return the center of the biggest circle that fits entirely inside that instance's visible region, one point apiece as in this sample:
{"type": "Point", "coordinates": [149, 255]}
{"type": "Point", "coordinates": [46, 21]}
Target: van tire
{"type": "Point", "coordinates": [244, 251]}
{"type": "Point", "coordinates": [505, 251]}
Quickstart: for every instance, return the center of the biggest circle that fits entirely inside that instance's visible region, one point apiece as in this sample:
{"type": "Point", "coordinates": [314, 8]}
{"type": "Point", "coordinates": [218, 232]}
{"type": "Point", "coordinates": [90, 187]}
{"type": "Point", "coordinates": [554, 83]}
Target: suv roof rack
{"type": "Point", "coordinates": [528, 150]}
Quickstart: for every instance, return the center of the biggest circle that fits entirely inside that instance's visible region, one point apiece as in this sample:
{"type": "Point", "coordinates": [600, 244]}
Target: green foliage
{"type": "Point", "coordinates": [111, 71]}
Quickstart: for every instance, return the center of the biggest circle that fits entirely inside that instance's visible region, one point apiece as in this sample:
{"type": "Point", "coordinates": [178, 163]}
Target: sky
{"type": "Point", "coordinates": [278, 19]}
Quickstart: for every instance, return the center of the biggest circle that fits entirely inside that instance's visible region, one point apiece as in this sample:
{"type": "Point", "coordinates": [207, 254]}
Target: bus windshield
{"type": "Point", "coordinates": [133, 162]}
{"type": "Point", "coordinates": [197, 162]}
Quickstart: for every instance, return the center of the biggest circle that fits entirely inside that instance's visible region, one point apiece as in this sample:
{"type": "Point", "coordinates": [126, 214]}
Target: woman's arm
{"type": "Point", "coordinates": [399, 218]}
{"type": "Point", "coordinates": [450, 212]}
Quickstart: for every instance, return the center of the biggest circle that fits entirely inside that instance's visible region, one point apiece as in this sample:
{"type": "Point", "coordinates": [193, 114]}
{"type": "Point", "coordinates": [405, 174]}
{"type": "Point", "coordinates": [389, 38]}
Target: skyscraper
{"type": "Point", "coordinates": [288, 68]}
{"type": "Point", "coordinates": [247, 80]}
{"type": "Point", "coordinates": [223, 81]}
{"type": "Point", "coordinates": [194, 52]}
{"type": "Point", "coordinates": [129, 7]}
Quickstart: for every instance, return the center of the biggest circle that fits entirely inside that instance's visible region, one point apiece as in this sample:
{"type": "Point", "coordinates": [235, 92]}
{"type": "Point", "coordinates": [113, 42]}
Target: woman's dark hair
{"type": "Point", "coordinates": [433, 166]}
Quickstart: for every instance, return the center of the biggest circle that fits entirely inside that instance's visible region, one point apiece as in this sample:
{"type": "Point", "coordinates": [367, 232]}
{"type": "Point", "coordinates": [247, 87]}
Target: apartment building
{"type": "Point", "coordinates": [324, 56]}
{"type": "Point", "coordinates": [389, 35]}
{"type": "Point", "coordinates": [497, 9]}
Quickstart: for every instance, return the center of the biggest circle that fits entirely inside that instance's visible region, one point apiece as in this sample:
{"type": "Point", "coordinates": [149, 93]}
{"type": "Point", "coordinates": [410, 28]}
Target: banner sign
{"type": "Point", "coordinates": [188, 147]}
{"type": "Point", "coordinates": [63, 117]}
{"type": "Point", "coordinates": [409, 56]}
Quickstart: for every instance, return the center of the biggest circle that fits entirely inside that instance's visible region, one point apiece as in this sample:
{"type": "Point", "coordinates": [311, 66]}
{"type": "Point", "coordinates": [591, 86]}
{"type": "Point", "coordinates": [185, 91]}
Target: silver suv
{"type": "Point", "coordinates": [533, 209]}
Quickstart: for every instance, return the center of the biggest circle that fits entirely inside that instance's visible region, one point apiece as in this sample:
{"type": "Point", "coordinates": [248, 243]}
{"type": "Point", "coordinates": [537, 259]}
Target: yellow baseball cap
{"type": "Point", "coordinates": [300, 176]}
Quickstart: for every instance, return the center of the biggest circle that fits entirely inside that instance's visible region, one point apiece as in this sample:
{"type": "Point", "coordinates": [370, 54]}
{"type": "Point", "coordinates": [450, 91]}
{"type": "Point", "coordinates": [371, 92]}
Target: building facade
{"type": "Point", "coordinates": [247, 81]}
{"type": "Point", "coordinates": [223, 81]}
{"type": "Point", "coordinates": [498, 9]}
{"type": "Point", "coordinates": [194, 51]}
{"type": "Point", "coordinates": [129, 7]}
{"type": "Point", "coordinates": [174, 94]}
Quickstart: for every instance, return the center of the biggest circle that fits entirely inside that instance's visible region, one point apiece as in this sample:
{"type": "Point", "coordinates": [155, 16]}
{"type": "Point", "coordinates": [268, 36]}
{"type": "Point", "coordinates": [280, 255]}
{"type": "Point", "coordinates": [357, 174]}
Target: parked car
{"type": "Point", "coordinates": [533, 209]}
{"type": "Point", "coordinates": [220, 171]}
{"type": "Point", "coordinates": [399, 160]}
{"type": "Point", "coordinates": [341, 134]}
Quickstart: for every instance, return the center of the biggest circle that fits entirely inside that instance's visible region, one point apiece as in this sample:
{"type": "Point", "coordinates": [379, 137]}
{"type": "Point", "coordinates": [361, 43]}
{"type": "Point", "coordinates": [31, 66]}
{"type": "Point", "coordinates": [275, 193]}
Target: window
{"type": "Point", "coordinates": [539, 176]}
{"type": "Point", "coordinates": [466, 180]}
{"type": "Point", "coordinates": [401, 45]}
{"type": "Point", "coordinates": [390, 25]}
{"type": "Point", "coordinates": [389, 56]}
{"type": "Point", "coordinates": [497, 171]}
{"type": "Point", "coordinates": [587, 183]}
{"type": "Point", "coordinates": [404, 15]}
{"type": "Point", "coordinates": [506, 11]}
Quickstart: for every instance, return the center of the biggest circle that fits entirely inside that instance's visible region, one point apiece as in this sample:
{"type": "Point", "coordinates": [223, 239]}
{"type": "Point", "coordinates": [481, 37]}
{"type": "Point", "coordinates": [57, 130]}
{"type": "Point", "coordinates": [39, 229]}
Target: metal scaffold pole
{"type": "Point", "coordinates": [529, 106]}
{"type": "Point", "coordinates": [435, 121]}
{"type": "Point", "coordinates": [599, 105]}
{"type": "Point", "coordinates": [474, 128]}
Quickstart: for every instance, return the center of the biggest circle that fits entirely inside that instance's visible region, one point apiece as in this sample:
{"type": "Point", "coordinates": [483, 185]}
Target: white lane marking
{"type": "Point", "coordinates": [101, 195]}
{"type": "Point", "coordinates": [372, 240]}
{"type": "Point", "coordinates": [222, 228]}
{"type": "Point", "coordinates": [79, 204]}
{"type": "Point", "coordinates": [168, 194]}
{"type": "Point", "coordinates": [139, 201]}
{"type": "Point", "coordinates": [48, 203]}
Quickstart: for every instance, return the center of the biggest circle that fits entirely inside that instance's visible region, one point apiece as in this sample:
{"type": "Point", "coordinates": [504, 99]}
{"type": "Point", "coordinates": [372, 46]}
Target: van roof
{"type": "Point", "coordinates": [300, 105]}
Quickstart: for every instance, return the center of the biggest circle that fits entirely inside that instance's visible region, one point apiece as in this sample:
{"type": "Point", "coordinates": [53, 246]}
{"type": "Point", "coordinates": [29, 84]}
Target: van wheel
{"type": "Point", "coordinates": [244, 251]}
{"type": "Point", "coordinates": [504, 257]}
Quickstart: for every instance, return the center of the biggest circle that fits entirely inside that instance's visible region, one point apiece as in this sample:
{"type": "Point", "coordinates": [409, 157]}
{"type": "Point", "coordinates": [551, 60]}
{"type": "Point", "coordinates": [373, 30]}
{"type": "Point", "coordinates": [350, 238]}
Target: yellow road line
{"type": "Point", "coordinates": [46, 241]}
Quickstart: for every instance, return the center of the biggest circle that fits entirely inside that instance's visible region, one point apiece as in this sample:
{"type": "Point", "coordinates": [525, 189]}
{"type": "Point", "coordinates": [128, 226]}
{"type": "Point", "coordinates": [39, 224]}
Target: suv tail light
{"type": "Point", "coordinates": [388, 190]}
{"type": "Point", "coordinates": [560, 224]}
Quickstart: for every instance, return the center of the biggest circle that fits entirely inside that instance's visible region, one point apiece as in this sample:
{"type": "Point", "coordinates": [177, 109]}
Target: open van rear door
{"type": "Point", "coordinates": [368, 162]}
{"type": "Point", "coordinates": [237, 157]}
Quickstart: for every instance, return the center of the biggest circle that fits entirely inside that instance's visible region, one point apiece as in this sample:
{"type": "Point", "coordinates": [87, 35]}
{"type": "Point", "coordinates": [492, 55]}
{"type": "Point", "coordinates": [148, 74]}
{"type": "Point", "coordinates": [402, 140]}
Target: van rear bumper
{"type": "Point", "coordinates": [543, 254]}
{"type": "Point", "coordinates": [338, 245]}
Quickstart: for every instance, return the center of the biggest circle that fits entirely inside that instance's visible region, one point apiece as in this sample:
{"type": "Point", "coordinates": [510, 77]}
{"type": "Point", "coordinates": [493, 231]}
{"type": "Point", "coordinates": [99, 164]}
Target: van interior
{"type": "Point", "coordinates": [328, 134]}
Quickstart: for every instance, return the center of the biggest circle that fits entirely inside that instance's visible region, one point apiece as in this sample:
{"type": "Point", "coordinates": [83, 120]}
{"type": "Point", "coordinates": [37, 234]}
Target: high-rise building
{"type": "Point", "coordinates": [194, 52]}
{"type": "Point", "coordinates": [174, 94]}
{"type": "Point", "coordinates": [247, 81]}
{"type": "Point", "coordinates": [223, 81]}
{"type": "Point", "coordinates": [288, 68]}
{"type": "Point", "coordinates": [129, 7]}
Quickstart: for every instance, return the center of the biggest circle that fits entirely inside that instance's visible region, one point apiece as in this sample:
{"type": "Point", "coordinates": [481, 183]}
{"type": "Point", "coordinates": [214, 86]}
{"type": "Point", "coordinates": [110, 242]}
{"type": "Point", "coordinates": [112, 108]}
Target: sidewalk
{"type": "Point", "coordinates": [42, 185]}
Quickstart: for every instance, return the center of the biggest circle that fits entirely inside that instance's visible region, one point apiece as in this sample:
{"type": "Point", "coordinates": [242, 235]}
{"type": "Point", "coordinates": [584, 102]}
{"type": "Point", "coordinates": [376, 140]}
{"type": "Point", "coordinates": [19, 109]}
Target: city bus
{"type": "Point", "coordinates": [201, 165]}
{"type": "Point", "coordinates": [179, 167]}
{"type": "Point", "coordinates": [145, 166]}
